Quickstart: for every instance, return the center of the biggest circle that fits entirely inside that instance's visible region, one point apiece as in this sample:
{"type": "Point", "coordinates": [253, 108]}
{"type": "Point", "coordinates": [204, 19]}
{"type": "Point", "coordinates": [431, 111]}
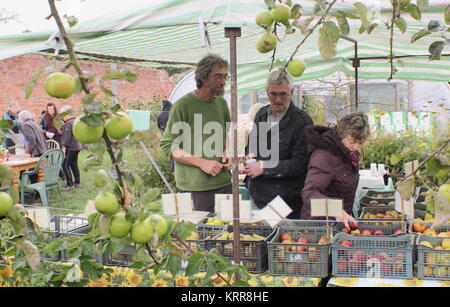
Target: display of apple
{"type": "Point", "coordinates": [347, 243]}
{"type": "Point", "coordinates": [119, 126]}
{"type": "Point", "coordinates": [106, 203]}
{"type": "Point", "coordinates": [266, 42]}
{"type": "Point", "coordinates": [373, 203]}
{"type": "Point", "coordinates": [366, 232]}
{"type": "Point", "coordinates": [323, 240]}
{"type": "Point", "coordinates": [119, 226]}
{"type": "Point", "coordinates": [263, 18]}
{"type": "Point", "coordinates": [285, 236]}
{"type": "Point", "coordinates": [59, 85]}
{"type": "Point", "coordinates": [446, 243]}
{"type": "Point", "coordinates": [378, 233]}
{"type": "Point", "coordinates": [346, 230]}
{"type": "Point", "coordinates": [141, 232]}
{"type": "Point", "coordinates": [303, 240]}
{"type": "Point", "coordinates": [430, 232]}
{"type": "Point", "coordinates": [6, 203]}
{"type": "Point", "coordinates": [86, 134]}
{"type": "Point", "coordinates": [296, 67]}
{"type": "Point", "coordinates": [352, 226]}
{"type": "Point", "coordinates": [281, 13]}
{"type": "Point", "coordinates": [419, 227]}
{"type": "Point", "coordinates": [159, 224]}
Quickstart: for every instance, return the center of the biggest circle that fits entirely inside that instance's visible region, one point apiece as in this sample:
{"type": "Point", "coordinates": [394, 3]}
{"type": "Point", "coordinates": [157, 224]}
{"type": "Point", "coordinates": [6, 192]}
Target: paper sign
{"type": "Point", "coordinates": [194, 216]}
{"type": "Point", "coordinates": [40, 216]}
{"type": "Point", "coordinates": [408, 205]}
{"type": "Point", "coordinates": [90, 209]}
{"type": "Point", "coordinates": [220, 197]}
{"type": "Point", "coordinates": [171, 201]}
{"type": "Point", "coordinates": [275, 211]}
{"type": "Point", "coordinates": [319, 207]}
{"type": "Point", "coordinates": [225, 210]}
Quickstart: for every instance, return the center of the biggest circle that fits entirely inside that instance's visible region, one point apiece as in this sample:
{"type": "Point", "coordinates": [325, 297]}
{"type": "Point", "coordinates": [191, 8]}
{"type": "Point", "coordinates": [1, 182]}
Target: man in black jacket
{"type": "Point", "coordinates": [281, 165]}
{"type": "Point", "coordinates": [163, 117]}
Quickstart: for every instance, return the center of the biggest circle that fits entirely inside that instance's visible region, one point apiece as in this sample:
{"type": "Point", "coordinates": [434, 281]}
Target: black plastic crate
{"type": "Point", "coordinates": [380, 195]}
{"type": "Point", "coordinates": [432, 263]}
{"type": "Point", "coordinates": [306, 223]}
{"type": "Point", "coordinates": [420, 198]}
{"type": "Point", "coordinates": [375, 256]}
{"type": "Point", "coordinates": [299, 259]}
{"type": "Point", "coordinates": [253, 253]}
{"type": "Point", "coordinates": [265, 227]}
{"type": "Point", "coordinates": [379, 210]}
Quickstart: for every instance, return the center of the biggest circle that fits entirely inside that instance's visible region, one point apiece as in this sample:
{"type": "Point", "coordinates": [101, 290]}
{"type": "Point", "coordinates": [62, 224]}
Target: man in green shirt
{"type": "Point", "coordinates": [195, 136]}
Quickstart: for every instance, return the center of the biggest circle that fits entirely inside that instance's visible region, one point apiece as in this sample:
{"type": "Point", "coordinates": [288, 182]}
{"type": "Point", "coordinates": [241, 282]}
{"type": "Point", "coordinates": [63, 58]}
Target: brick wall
{"type": "Point", "coordinates": [15, 73]}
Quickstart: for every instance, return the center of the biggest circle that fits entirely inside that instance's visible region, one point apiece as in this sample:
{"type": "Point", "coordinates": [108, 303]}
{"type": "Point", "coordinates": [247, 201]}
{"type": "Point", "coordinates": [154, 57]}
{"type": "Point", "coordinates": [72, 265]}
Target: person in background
{"type": "Point", "coordinates": [71, 147]}
{"type": "Point", "coordinates": [12, 114]}
{"type": "Point", "coordinates": [47, 123]}
{"type": "Point", "coordinates": [199, 171]}
{"type": "Point", "coordinates": [163, 117]}
{"type": "Point", "coordinates": [286, 178]}
{"type": "Point", "coordinates": [333, 170]}
{"type": "Point", "coordinates": [33, 134]}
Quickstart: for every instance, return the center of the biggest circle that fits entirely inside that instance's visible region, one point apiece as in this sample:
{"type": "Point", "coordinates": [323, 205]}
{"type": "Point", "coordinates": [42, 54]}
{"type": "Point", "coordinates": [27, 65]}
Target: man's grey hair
{"type": "Point", "coordinates": [205, 66]}
{"type": "Point", "coordinates": [25, 115]}
{"type": "Point", "coordinates": [275, 78]}
{"type": "Point", "coordinates": [65, 109]}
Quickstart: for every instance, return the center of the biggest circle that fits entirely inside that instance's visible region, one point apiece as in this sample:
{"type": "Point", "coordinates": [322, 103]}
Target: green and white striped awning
{"type": "Point", "coordinates": [168, 33]}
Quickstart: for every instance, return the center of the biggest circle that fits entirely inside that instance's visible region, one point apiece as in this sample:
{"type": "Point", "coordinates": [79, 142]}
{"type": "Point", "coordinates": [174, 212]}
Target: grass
{"type": "Point", "coordinates": [75, 200]}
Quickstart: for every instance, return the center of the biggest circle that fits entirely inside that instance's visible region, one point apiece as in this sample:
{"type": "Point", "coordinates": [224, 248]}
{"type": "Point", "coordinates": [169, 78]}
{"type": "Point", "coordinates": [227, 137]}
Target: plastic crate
{"type": "Point", "coordinates": [387, 229]}
{"type": "Point", "coordinates": [263, 225]}
{"type": "Point", "coordinates": [432, 263]}
{"type": "Point", "coordinates": [377, 210]}
{"type": "Point", "coordinates": [47, 237]}
{"type": "Point", "coordinates": [298, 259]}
{"type": "Point", "coordinates": [306, 223]}
{"type": "Point", "coordinates": [375, 256]}
{"type": "Point", "coordinates": [420, 198]}
{"type": "Point", "coordinates": [253, 253]}
{"type": "Point", "coordinates": [376, 194]}
{"type": "Point", "coordinates": [64, 224]}
{"type": "Point", "coordinates": [80, 231]}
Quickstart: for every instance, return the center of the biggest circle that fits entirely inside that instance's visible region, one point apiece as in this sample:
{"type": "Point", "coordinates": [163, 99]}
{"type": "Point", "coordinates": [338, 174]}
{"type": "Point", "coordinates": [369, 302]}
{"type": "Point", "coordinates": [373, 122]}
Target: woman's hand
{"type": "Point", "coordinates": [346, 219]}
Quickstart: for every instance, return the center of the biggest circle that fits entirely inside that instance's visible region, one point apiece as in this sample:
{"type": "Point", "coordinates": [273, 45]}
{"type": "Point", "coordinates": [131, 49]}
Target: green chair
{"type": "Point", "coordinates": [50, 163]}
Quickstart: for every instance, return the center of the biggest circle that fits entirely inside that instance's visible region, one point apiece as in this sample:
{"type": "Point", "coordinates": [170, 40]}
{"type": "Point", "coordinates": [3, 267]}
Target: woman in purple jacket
{"type": "Point", "coordinates": [333, 166]}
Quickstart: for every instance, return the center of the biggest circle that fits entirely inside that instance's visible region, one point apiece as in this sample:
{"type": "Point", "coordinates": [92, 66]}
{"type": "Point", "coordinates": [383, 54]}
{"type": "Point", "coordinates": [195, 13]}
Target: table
{"type": "Point", "coordinates": [382, 282]}
{"type": "Point", "coordinates": [19, 164]}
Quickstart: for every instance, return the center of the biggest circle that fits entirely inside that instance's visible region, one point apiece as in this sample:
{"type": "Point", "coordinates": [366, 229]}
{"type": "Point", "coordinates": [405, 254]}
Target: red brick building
{"type": "Point", "coordinates": [16, 72]}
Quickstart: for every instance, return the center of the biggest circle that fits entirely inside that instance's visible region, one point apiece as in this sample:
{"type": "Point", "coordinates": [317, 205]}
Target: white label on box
{"type": "Point", "coordinates": [275, 211]}
{"type": "Point", "coordinates": [408, 205]}
{"type": "Point", "coordinates": [219, 197]}
{"type": "Point", "coordinates": [295, 257]}
{"type": "Point", "coordinates": [171, 201]}
{"type": "Point", "coordinates": [40, 216]}
{"type": "Point", "coordinates": [225, 210]}
{"type": "Point", "coordinates": [319, 207]}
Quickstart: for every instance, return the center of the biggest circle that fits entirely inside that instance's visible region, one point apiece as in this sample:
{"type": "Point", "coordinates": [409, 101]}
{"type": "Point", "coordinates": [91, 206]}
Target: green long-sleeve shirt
{"type": "Point", "coordinates": [198, 127]}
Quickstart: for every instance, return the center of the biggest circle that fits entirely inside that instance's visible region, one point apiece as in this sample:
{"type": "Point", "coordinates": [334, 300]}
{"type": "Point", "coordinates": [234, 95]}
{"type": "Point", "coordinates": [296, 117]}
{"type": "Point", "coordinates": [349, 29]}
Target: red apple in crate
{"type": "Point", "coordinates": [352, 226]}
{"type": "Point", "coordinates": [381, 256]}
{"type": "Point", "coordinates": [419, 227]}
{"type": "Point", "coordinates": [313, 253]}
{"type": "Point", "coordinates": [346, 230]}
{"type": "Point", "coordinates": [303, 240]}
{"type": "Point", "coordinates": [323, 240]}
{"type": "Point", "coordinates": [285, 236]}
{"type": "Point", "coordinates": [289, 248]}
{"type": "Point", "coordinates": [360, 256]}
{"type": "Point", "coordinates": [378, 233]}
{"type": "Point", "coordinates": [366, 232]}
{"type": "Point", "coordinates": [397, 231]}
{"type": "Point", "coordinates": [301, 249]}
{"type": "Point", "coordinates": [347, 243]}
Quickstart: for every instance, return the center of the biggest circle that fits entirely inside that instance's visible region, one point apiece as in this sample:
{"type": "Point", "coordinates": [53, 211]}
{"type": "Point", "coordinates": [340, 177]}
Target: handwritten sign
{"type": "Point", "coordinates": [326, 207]}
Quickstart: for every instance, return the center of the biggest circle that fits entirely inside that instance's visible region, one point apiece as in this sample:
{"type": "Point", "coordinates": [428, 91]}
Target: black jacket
{"type": "Point", "coordinates": [163, 117]}
{"type": "Point", "coordinates": [67, 139]}
{"type": "Point", "coordinates": [286, 179]}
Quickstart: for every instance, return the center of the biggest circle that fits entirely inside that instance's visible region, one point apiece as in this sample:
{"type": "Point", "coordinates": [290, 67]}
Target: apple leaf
{"type": "Point", "coordinates": [89, 98]}
{"type": "Point", "coordinates": [32, 83]}
{"type": "Point", "coordinates": [407, 188]}
{"type": "Point", "coordinates": [328, 37]}
{"type": "Point", "coordinates": [93, 219]}
{"type": "Point", "coordinates": [270, 3]}
{"type": "Point", "coordinates": [303, 24]}
{"type": "Point", "coordinates": [413, 11]}
{"type": "Point", "coordinates": [150, 195]}
{"type": "Point", "coordinates": [420, 34]}
{"type": "Point", "coordinates": [395, 159]}
{"type": "Point", "coordinates": [436, 50]}
{"type": "Point", "coordinates": [296, 11]}
{"type": "Point", "coordinates": [435, 26]}
{"type": "Point", "coordinates": [93, 120]}
{"type": "Point", "coordinates": [195, 262]}
{"type": "Point", "coordinates": [348, 15]}
{"type": "Point", "coordinates": [362, 13]}
{"type": "Point", "coordinates": [105, 90]}
{"type": "Point", "coordinates": [371, 27]}
{"type": "Point", "coordinates": [343, 23]}
{"type": "Point", "coordinates": [447, 15]}
{"type": "Point", "coordinates": [401, 24]}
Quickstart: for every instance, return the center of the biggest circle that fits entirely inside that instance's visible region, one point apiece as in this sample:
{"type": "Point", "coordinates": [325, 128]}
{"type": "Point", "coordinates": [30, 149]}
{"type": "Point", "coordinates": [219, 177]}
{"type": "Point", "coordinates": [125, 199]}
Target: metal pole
{"type": "Point", "coordinates": [232, 33]}
{"type": "Point", "coordinates": [356, 64]}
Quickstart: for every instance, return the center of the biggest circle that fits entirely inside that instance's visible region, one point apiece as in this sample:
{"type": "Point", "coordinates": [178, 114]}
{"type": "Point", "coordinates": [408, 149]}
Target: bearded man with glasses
{"type": "Point", "coordinates": [283, 172]}
{"type": "Point", "coordinates": [195, 136]}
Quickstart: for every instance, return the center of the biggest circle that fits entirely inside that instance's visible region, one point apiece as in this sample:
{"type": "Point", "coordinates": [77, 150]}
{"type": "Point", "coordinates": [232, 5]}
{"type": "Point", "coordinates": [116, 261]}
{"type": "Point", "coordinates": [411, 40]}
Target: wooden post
{"type": "Point", "coordinates": [232, 33]}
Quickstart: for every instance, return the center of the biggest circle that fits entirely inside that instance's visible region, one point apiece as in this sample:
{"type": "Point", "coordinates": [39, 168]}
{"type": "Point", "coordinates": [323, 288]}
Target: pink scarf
{"type": "Point", "coordinates": [354, 158]}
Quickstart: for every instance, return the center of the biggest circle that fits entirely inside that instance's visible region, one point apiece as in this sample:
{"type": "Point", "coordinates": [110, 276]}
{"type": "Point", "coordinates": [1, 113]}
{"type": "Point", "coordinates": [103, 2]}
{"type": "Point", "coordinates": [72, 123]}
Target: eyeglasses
{"type": "Point", "coordinates": [282, 95]}
{"type": "Point", "coordinates": [220, 77]}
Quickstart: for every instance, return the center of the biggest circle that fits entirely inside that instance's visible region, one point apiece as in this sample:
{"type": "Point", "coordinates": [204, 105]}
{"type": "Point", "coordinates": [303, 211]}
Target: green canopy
{"type": "Point", "coordinates": [169, 33]}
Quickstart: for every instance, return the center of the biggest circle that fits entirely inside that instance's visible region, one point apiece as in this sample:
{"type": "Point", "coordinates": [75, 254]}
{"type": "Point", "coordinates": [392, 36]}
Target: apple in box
{"type": "Point", "coordinates": [366, 232]}
{"type": "Point", "coordinates": [285, 236]}
{"type": "Point", "coordinates": [347, 243]}
{"type": "Point", "coordinates": [378, 233]}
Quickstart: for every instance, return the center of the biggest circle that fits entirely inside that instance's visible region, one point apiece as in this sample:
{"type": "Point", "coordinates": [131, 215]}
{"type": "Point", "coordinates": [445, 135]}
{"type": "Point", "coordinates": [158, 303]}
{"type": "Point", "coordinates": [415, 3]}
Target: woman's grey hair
{"type": "Point", "coordinates": [25, 115]}
{"type": "Point", "coordinates": [205, 66]}
{"type": "Point", "coordinates": [354, 124]}
{"type": "Point", "coordinates": [65, 109]}
{"type": "Point", "coordinates": [277, 78]}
